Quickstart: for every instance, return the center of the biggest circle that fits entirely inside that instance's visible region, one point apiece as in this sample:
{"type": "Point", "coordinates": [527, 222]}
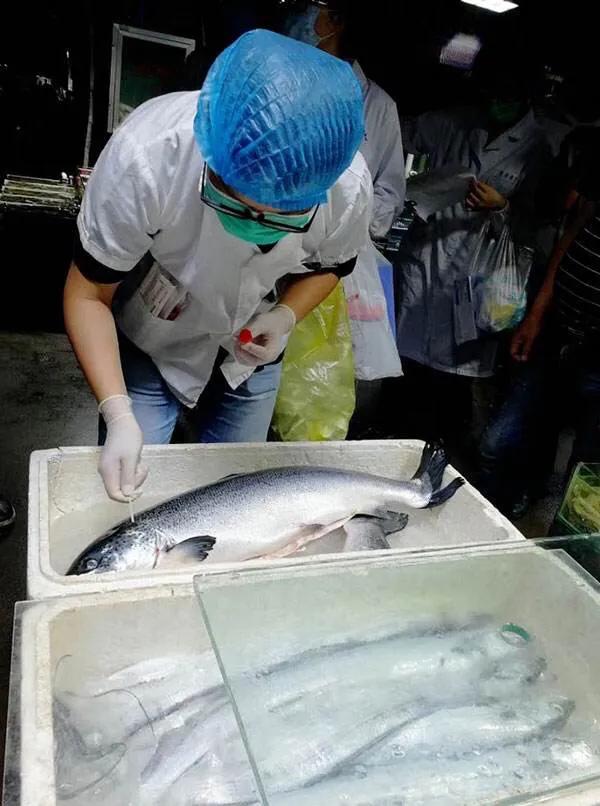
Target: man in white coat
{"type": "Point", "coordinates": [500, 144]}
{"type": "Point", "coordinates": [247, 201]}
{"type": "Point", "coordinates": [324, 24]}
{"type": "Point", "coordinates": [329, 25]}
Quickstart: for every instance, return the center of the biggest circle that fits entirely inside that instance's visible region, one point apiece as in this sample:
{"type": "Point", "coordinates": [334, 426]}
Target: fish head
{"type": "Point", "coordinates": [117, 550]}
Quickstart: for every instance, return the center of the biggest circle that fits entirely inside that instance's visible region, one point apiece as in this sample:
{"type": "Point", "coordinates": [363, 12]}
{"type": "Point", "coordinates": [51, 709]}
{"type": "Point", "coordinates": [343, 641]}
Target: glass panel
{"type": "Point", "coordinates": [446, 677]}
{"type": "Point", "coordinates": [583, 549]}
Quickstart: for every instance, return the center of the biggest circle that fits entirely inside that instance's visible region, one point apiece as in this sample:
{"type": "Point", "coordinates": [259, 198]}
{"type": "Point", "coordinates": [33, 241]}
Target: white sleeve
{"type": "Point", "coordinates": [390, 182]}
{"type": "Point", "coordinates": [352, 203]}
{"type": "Point", "coordinates": [120, 209]}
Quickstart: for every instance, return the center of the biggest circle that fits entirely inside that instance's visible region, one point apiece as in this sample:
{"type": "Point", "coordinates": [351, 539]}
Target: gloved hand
{"type": "Point", "coordinates": [119, 465]}
{"type": "Point", "coordinates": [269, 334]}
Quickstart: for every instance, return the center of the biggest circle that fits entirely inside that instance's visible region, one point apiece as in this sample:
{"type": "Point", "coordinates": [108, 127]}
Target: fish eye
{"type": "Point", "coordinates": [91, 564]}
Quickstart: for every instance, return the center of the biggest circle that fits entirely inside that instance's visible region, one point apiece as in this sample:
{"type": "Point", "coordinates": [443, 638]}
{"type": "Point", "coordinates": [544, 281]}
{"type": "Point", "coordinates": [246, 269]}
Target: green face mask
{"type": "Point", "coordinates": [505, 112]}
{"type": "Point", "coordinates": [247, 229]}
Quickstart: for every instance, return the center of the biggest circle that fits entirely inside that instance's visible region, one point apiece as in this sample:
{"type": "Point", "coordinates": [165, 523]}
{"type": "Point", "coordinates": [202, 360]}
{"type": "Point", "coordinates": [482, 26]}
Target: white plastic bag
{"type": "Point", "coordinates": [373, 343]}
{"type": "Point", "coordinates": [502, 277]}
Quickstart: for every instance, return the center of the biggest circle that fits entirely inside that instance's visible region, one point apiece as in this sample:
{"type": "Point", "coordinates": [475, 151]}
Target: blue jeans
{"type": "Point", "coordinates": [518, 448]}
{"type": "Point", "coordinates": [222, 414]}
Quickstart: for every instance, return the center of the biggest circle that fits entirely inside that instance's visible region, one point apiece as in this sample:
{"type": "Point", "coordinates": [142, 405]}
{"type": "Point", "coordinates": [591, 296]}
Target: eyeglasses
{"type": "Point", "coordinates": [256, 215]}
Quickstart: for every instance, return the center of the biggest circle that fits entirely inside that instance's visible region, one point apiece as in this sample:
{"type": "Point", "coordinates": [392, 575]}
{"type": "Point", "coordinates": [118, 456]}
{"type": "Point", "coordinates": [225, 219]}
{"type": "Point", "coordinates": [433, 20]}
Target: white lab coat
{"type": "Point", "coordinates": [383, 152]}
{"type": "Point", "coordinates": [143, 197]}
{"type": "Point", "coordinates": [438, 253]}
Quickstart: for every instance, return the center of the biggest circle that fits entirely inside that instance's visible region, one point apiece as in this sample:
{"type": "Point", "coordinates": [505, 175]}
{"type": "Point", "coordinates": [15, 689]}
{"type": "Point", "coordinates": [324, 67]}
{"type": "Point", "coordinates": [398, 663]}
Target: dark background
{"type": "Point", "coordinates": [43, 128]}
{"type": "Point", "coordinates": [398, 44]}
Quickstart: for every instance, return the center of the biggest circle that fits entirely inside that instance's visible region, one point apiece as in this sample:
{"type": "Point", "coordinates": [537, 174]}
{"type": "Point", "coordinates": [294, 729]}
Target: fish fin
{"type": "Point", "coordinates": [305, 534]}
{"type": "Point", "coordinates": [389, 521]}
{"type": "Point", "coordinates": [441, 496]}
{"type": "Point", "coordinates": [434, 461]}
{"type": "Point", "coordinates": [433, 464]}
{"type": "Point", "coordinates": [365, 534]}
{"type": "Point", "coordinates": [194, 549]}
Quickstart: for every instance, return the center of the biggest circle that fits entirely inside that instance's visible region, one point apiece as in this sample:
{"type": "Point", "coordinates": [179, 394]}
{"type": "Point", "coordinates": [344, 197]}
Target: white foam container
{"type": "Point", "coordinates": [68, 507]}
{"type": "Point", "coordinates": [98, 632]}
{"type": "Point", "coordinates": [103, 632]}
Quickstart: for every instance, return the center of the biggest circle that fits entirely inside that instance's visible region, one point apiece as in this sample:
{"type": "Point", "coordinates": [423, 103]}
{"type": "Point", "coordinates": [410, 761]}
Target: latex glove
{"type": "Point", "coordinates": [482, 196]}
{"type": "Point", "coordinates": [524, 338]}
{"type": "Point", "coordinates": [120, 467]}
{"type": "Point", "coordinates": [269, 335]}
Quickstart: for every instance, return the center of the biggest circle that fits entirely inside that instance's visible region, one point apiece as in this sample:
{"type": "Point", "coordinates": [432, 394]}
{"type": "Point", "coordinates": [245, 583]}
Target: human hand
{"type": "Point", "coordinates": [525, 337]}
{"type": "Point", "coordinates": [269, 331]}
{"type": "Point", "coordinates": [482, 196]}
{"type": "Point", "coordinates": [120, 467]}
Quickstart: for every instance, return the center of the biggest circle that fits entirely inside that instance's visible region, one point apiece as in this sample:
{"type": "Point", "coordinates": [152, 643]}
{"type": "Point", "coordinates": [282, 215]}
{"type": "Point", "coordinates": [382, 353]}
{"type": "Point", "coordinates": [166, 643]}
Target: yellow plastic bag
{"type": "Point", "coordinates": [316, 397]}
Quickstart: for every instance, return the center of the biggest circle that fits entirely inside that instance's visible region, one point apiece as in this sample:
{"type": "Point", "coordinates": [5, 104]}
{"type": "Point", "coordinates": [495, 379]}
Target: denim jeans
{"type": "Point", "coordinates": [517, 451]}
{"type": "Point", "coordinates": [222, 414]}
{"type": "Point", "coordinates": [429, 404]}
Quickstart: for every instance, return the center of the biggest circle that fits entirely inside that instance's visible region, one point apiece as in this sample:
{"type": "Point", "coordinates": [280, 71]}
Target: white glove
{"type": "Point", "coordinates": [269, 336]}
{"type": "Point", "coordinates": [119, 465]}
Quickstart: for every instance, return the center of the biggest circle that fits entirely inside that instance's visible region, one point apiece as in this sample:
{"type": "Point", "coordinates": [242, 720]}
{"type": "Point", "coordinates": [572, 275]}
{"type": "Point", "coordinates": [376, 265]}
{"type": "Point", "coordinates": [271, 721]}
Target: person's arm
{"type": "Point", "coordinates": [269, 331]}
{"type": "Point", "coordinates": [526, 334]}
{"type": "Point", "coordinates": [120, 208]}
{"type": "Point", "coordinates": [303, 294]}
{"type": "Point", "coordinates": [91, 328]}
{"type": "Point", "coordinates": [389, 185]}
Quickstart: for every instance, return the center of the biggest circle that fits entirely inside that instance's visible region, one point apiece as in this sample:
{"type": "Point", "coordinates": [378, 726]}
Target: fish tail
{"type": "Point", "coordinates": [431, 472]}
{"type": "Point", "coordinates": [445, 494]}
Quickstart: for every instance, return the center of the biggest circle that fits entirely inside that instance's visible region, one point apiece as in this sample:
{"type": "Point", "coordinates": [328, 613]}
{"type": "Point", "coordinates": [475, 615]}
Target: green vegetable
{"type": "Point", "coordinates": [582, 504]}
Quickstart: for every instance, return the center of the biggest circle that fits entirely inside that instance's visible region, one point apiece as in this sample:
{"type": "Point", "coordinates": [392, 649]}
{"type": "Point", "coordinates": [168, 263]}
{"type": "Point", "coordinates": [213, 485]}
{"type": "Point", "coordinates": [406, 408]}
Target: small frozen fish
{"type": "Point", "coordinates": [455, 731]}
{"type": "Point", "coordinates": [179, 750]}
{"type": "Point", "coordinates": [305, 725]}
{"type": "Point", "coordinates": [222, 776]}
{"type": "Point", "coordinates": [314, 736]}
{"type": "Point", "coordinates": [154, 694]}
{"type": "Point", "coordinates": [478, 778]}
{"type": "Point", "coordinates": [161, 679]}
{"type": "Point", "coordinates": [435, 665]}
{"type": "Point", "coordinates": [77, 767]}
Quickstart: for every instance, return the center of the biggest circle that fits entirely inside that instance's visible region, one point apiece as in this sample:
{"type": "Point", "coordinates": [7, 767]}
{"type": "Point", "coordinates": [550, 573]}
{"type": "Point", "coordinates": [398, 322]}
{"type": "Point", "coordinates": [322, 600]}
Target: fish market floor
{"type": "Point", "coordinates": [45, 404]}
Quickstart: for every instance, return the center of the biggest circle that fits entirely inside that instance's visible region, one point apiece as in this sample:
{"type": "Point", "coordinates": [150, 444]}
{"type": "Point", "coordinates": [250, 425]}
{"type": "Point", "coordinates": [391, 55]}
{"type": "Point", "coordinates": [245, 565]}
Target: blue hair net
{"type": "Point", "coordinates": [279, 121]}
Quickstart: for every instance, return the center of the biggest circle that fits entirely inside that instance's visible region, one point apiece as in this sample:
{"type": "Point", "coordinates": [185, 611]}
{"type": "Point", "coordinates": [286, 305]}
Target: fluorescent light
{"type": "Point", "coordinates": [461, 51]}
{"type": "Point", "coordinates": [499, 6]}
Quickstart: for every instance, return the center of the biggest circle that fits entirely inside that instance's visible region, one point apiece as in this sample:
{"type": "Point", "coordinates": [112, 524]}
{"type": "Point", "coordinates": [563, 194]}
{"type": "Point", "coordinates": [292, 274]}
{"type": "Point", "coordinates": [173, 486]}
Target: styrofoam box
{"type": "Point", "coordinates": [68, 507]}
{"type": "Point", "coordinates": [103, 632]}
{"type": "Point", "coordinates": [82, 637]}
